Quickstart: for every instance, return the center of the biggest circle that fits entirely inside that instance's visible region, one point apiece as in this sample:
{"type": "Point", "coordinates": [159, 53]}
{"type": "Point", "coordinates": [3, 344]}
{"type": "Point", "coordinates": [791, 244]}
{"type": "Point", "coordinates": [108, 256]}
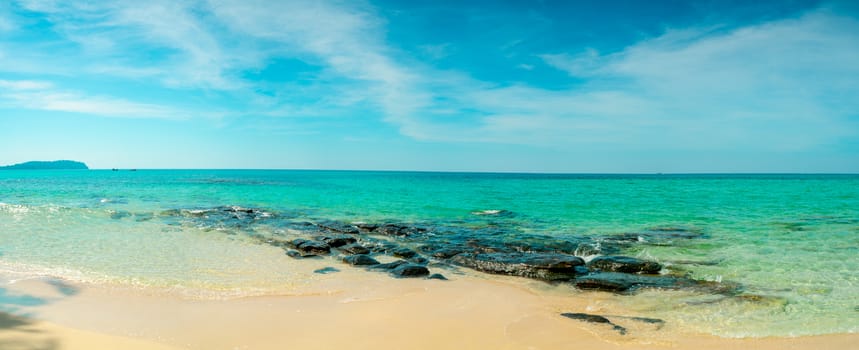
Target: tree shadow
{"type": "Point", "coordinates": [17, 333]}
{"type": "Point", "coordinates": [9, 321]}
{"type": "Point", "coordinates": [17, 330]}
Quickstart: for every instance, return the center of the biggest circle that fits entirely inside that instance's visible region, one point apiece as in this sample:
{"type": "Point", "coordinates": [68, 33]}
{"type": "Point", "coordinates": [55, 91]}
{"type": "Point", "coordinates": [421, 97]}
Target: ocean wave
{"type": "Point", "coordinates": [493, 212]}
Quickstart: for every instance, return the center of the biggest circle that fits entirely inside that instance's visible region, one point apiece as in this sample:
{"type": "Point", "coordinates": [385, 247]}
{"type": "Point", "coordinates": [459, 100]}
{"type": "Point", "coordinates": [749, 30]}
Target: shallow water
{"type": "Point", "coordinates": [791, 241]}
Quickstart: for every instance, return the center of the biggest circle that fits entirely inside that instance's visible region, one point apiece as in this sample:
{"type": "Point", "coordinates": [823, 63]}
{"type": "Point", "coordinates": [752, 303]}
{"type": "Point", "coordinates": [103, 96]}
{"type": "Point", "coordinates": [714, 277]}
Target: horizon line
{"type": "Point", "coordinates": [512, 172]}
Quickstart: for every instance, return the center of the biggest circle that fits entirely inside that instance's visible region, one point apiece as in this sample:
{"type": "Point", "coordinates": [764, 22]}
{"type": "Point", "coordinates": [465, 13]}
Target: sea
{"type": "Point", "coordinates": [791, 241]}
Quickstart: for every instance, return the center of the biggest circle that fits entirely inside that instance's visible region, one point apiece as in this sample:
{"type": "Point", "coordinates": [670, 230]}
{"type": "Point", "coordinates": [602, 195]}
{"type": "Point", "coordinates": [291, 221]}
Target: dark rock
{"type": "Point", "coordinates": [298, 255]}
{"type": "Point", "coordinates": [326, 270]}
{"type": "Point", "coordinates": [586, 317]}
{"type": "Point", "coordinates": [310, 247]}
{"type": "Point", "coordinates": [354, 248]}
{"type": "Point", "coordinates": [409, 270]}
{"type": "Point", "coordinates": [360, 260]}
{"type": "Point", "coordinates": [338, 227]}
{"type": "Point", "coordinates": [404, 253]}
{"type": "Point", "coordinates": [623, 282]}
{"type": "Point", "coordinates": [379, 246]}
{"type": "Point", "coordinates": [542, 245]}
{"type": "Point", "coordinates": [594, 319]}
{"type": "Point", "coordinates": [398, 230]}
{"type": "Point", "coordinates": [446, 253]}
{"type": "Point", "coordinates": [437, 276]}
{"type": "Point", "coordinates": [624, 264]}
{"type": "Point", "coordinates": [604, 284]}
{"type": "Point", "coordinates": [549, 267]}
{"type": "Point", "coordinates": [655, 321]}
{"type": "Point", "coordinates": [660, 236]}
{"type": "Point", "coordinates": [218, 218]}
{"type": "Point", "coordinates": [390, 265]}
{"type": "Point", "coordinates": [303, 226]}
{"type": "Point", "coordinates": [366, 227]}
{"type": "Point", "coordinates": [487, 246]}
{"type": "Point", "coordinates": [338, 241]}
{"type": "Point", "coordinates": [419, 260]}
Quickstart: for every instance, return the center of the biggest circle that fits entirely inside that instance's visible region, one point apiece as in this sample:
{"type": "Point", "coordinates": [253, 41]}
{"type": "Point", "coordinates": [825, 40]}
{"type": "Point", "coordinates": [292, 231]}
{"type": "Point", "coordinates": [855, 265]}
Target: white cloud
{"type": "Point", "coordinates": [25, 84]}
{"type": "Point", "coordinates": [787, 84]}
{"type": "Point", "coordinates": [783, 85]}
{"type": "Point", "coordinates": [347, 39]}
{"type": "Point", "coordinates": [39, 95]}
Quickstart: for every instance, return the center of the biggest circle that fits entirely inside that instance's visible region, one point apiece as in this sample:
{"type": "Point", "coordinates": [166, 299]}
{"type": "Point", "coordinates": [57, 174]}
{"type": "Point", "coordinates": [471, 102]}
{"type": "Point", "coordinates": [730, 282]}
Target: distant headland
{"type": "Point", "coordinates": [47, 165]}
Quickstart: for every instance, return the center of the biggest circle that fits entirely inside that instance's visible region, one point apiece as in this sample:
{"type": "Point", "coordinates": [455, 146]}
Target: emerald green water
{"type": "Point", "coordinates": [792, 241]}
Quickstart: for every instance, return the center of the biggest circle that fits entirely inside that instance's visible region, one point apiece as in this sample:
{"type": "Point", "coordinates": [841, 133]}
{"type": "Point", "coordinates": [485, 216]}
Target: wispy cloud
{"type": "Point", "coordinates": [781, 85]}
{"type": "Point", "coordinates": [25, 85]}
{"type": "Point", "coordinates": [40, 95]}
{"type": "Point", "coordinates": [211, 44]}
{"type": "Point", "coordinates": [347, 39]}
{"type": "Point", "coordinates": [786, 84]}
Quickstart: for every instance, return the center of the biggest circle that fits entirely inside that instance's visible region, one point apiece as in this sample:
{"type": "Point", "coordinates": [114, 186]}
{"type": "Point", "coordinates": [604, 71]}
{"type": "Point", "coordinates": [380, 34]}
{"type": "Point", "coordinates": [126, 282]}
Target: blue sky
{"type": "Point", "coordinates": [534, 86]}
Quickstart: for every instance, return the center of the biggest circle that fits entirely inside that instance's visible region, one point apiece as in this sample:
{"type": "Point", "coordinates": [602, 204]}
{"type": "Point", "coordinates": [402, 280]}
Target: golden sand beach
{"type": "Point", "coordinates": [355, 310]}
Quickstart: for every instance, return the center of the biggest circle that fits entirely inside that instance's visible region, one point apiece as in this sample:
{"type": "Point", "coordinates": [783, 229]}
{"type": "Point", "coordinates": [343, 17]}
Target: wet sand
{"type": "Point", "coordinates": [352, 309]}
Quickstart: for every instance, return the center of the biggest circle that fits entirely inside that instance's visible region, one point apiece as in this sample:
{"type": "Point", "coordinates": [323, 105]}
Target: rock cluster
{"type": "Point", "coordinates": [490, 249]}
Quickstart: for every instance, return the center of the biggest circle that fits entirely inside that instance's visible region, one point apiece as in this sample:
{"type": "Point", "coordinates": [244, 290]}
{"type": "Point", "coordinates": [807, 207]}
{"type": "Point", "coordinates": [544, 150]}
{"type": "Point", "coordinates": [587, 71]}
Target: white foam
{"type": "Point", "coordinates": [487, 212]}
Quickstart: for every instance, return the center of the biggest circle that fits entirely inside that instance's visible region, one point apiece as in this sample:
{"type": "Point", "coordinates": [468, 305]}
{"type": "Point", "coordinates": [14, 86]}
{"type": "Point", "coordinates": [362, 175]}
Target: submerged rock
{"type": "Point", "coordinates": [660, 236]}
{"type": "Point", "coordinates": [326, 270]}
{"type": "Point", "coordinates": [141, 217]}
{"type": "Point", "coordinates": [310, 247]}
{"type": "Point", "coordinates": [409, 270]}
{"type": "Point", "coordinates": [437, 276]}
{"type": "Point", "coordinates": [624, 264]}
{"type": "Point", "coordinates": [491, 246]}
{"type": "Point", "coordinates": [390, 265]}
{"type": "Point", "coordinates": [217, 218]}
{"type": "Point", "coordinates": [365, 227]}
{"type": "Point", "coordinates": [445, 253]}
{"type": "Point", "coordinates": [658, 322]}
{"type": "Point", "coordinates": [594, 319]}
{"type": "Point", "coordinates": [419, 260]}
{"type": "Point", "coordinates": [398, 230]}
{"type": "Point", "coordinates": [338, 241]}
{"type": "Point", "coordinates": [354, 248]}
{"type": "Point", "coordinates": [119, 214]}
{"type": "Point", "coordinates": [360, 260]}
{"type": "Point", "coordinates": [338, 227]}
{"type": "Point", "coordinates": [624, 282]}
{"type": "Point", "coordinates": [549, 267]}
{"type": "Point", "coordinates": [298, 255]}
{"type": "Point", "coordinates": [403, 253]}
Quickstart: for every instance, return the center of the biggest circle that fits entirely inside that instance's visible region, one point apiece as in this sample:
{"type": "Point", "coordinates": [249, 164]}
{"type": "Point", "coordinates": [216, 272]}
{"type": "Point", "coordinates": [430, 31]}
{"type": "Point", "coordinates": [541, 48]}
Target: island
{"type": "Point", "coordinates": [47, 165]}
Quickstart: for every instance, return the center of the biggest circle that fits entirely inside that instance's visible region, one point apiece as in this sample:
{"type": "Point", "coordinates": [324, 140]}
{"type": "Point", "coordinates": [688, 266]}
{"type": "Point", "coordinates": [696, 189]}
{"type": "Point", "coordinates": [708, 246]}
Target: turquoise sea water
{"type": "Point", "coordinates": [791, 241]}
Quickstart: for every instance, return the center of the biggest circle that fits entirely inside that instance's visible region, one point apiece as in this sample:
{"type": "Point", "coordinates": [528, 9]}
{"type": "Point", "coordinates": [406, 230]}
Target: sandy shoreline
{"type": "Point", "coordinates": [355, 310]}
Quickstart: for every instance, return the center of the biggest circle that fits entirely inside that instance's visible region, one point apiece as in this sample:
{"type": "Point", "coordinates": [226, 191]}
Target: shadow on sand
{"type": "Point", "coordinates": [17, 328]}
